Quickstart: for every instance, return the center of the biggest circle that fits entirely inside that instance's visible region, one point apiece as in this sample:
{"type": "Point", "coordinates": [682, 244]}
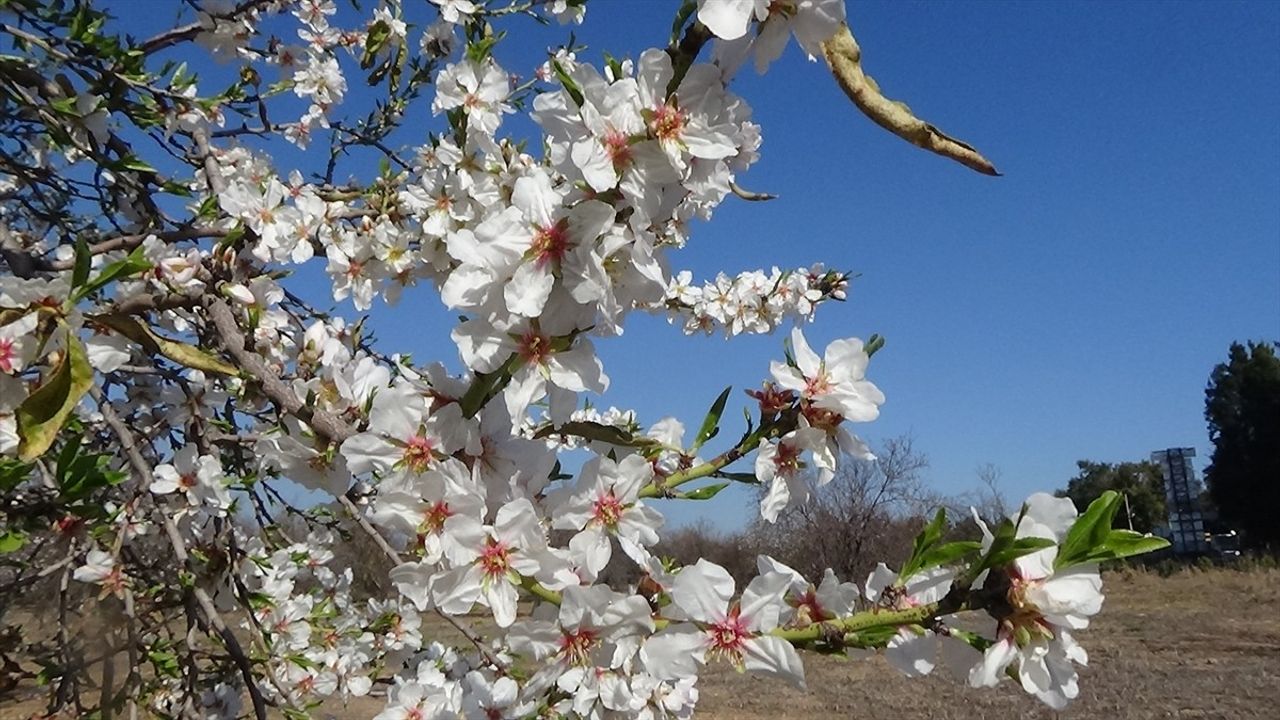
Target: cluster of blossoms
{"type": "Point", "coordinates": [752, 302]}
{"type": "Point", "coordinates": [215, 388]}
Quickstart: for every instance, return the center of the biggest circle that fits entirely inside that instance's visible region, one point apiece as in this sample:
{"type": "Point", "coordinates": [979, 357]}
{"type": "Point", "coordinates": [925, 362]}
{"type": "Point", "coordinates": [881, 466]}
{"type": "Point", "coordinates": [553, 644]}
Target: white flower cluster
{"type": "Point", "coordinates": [752, 302]}
{"type": "Point", "coordinates": [459, 476]}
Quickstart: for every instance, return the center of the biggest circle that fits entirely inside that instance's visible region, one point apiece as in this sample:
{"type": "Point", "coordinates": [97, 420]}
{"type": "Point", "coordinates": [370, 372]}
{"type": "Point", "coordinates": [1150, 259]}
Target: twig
{"type": "Point", "coordinates": [129, 444]}
{"type": "Point", "coordinates": [748, 194]}
{"type": "Point", "coordinates": [326, 425]}
{"type": "Point", "coordinates": [844, 57]}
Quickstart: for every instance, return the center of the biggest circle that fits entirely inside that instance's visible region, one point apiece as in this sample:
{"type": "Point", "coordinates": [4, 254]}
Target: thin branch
{"type": "Point", "coordinates": [748, 194]}
{"type": "Point", "coordinates": [129, 444]}
{"type": "Point", "coordinates": [844, 57]}
{"type": "Point", "coordinates": [326, 425]}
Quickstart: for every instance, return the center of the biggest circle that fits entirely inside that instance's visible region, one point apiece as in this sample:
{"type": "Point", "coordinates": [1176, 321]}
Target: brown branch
{"type": "Point", "coordinates": [143, 469]}
{"type": "Point", "coordinates": [326, 425]}
{"type": "Point", "coordinates": [844, 57]}
{"type": "Point", "coordinates": [129, 242]}
{"type": "Point", "coordinates": [684, 53]}
{"type": "Point", "coordinates": [184, 33]}
{"type": "Point", "coordinates": [285, 399]}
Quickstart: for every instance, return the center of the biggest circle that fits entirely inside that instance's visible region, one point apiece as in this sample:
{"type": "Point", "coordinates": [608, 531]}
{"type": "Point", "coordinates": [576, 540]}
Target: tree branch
{"type": "Point", "coordinates": [844, 57]}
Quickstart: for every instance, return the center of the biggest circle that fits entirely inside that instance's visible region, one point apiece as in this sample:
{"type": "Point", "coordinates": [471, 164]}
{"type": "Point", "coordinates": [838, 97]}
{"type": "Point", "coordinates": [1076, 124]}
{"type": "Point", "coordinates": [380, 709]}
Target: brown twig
{"type": "Point", "coordinates": [129, 444]}
{"type": "Point", "coordinates": [326, 425]}
{"type": "Point", "coordinates": [750, 195]}
{"type": "Point", "coordinates": [844, 57]}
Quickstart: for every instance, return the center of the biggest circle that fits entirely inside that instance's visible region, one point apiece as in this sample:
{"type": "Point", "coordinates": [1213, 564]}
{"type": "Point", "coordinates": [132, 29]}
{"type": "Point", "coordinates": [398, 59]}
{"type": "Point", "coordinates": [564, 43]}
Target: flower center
{"type": "Point", "coordinates": [495, 558]}
{"type": "Point", "coordinates": [551, 243]}
{"type": "Point", "coordinates": [418, 453]}
{"type": "Point", "coordinates": [772, 400]}
{"type": "Point", "coordinates": [729, 636]}
{"type": "Point", "coordinates": [434, 516]}
{"type": "Point", "coordinates": [7, 354]}
{"type": "Point", "coordinates": [534, 348]}
{"type": "Point", "coordinates": [1024, 621]}
{"type": "Point", "coordinates": [787, 461]}
{"type": "Point", "coordinates": [576, 646]}
{"type": "Point", "coordinates": [817, 386]}
{"type": "Point", "coordinates": [618, 146]}
{"type": "Point", "coordinates": [809, 605]}
{"type": "Point", "coordinates": [608, 510]}
{"type": "Point", "coordinates": [667, 123]}
{"type": "Point", "coordinates": [784, 8]}
{"type": "Point", "coordinates": [821, 418]}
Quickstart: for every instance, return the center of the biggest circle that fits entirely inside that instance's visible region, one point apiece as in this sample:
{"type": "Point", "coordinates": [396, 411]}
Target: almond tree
{"type": "Point", "coordinates": [162, 384]}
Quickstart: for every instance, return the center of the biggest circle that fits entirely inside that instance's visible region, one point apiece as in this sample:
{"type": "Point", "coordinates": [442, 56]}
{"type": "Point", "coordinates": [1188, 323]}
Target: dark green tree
{"type": "Point", "coordinates": [1242, 407]}
{"type": "Point", "coordinates": [1140, 482]}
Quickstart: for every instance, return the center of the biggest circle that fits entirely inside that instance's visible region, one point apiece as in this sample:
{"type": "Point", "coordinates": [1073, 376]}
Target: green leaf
{"type": "Point", "coordinates": [66, 106]}
{"type": "Point", "coordinates": [685, 12]}
{"type": "Point", "coordinates": [174, 187]}
{"type": "Point", "coordinates": [379, 33]}
{"type": "Point", "coordinates": [948, 553]}
{"type": "Point", "coordinates": [1016, 549]}
{"type": "Point", "coordinates": [486, 386]}
{"type": "Point", "coordinates": [1127, 543]}
{"type": "Point", "coordinates": [80, 273]}
{"type": "Point", "coordinates": [133, 163]}
{"type": "Point", "coordinates": [208, 208]}
{"type": "Point", "coordinates": [1090, 531]}
{"type": "Point", "coordinates": [179, 352]}
{"type": "Point", "coordinates": [705, 493]}
{"type": "Point", "coordinates": [12, 541]}
{"type": "Point", "coordinates": [165, 663]}
{"type": "Point", "coordinates": [874, 343]}
{"type": "Point", "coordinates": [42, 414]}
{"type": "Point", "coordinates": [13, 473]}
{"type": "Point", "coordinates": [134, 263]}
{"type": "Point", "coordinates": [613, 65]}
{"type": "Point", "coordinates": [711, 423]}
{"type": "Point", "coordinates": [926, 539]}
{"type": "Point", "coordinates": [570, 86]}
{"type": "Point", "coordinates": [742, 477]}
{"type": "Point", "coordinates": [1007, 547]}
{"type": "Point", "coordinates": [480, 49]}
{"type": "Point", "coordinates": [79, 474]}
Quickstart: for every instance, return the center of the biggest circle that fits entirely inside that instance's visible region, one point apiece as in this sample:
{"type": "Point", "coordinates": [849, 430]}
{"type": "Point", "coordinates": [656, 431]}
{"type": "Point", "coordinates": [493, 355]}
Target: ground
{"type": "Point", "coordinates": [1197, 644]}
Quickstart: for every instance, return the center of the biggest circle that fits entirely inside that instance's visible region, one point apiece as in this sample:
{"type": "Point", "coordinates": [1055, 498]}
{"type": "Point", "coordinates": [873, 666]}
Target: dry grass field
{"type": "Point", "coordinates": [1197, 644]}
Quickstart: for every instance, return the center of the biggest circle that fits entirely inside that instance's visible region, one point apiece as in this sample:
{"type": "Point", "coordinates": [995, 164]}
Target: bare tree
{"type": "Point", "coordinates": [870, 509]}
{"type": "Point", "coordinates": [987, 498]}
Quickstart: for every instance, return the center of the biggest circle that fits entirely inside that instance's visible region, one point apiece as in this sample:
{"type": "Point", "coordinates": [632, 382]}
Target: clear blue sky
{"type": "Point", "coordinates": [1071, 309]}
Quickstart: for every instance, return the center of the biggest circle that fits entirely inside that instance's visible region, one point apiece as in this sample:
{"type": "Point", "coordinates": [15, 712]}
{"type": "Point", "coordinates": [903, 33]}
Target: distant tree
{"type": "Point", "coordinates": [1141, 483]}
{"type": "Point", "coordinates": [1242, 407]}
{"type": "Point", "coordinates": [869, 512]}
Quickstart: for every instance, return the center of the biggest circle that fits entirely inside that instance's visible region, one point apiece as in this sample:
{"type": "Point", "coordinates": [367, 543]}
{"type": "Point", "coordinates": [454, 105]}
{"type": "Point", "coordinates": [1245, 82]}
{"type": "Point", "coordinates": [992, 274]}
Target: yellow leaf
{"type": "Point", "coordinates": [42, 414]}
{"type": "Point", "coordinates": [179, 352]}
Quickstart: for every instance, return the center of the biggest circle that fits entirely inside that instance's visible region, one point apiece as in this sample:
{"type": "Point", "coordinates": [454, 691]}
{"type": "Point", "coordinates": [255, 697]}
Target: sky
{"type": "Point", "coordinates": [1071, 309]}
